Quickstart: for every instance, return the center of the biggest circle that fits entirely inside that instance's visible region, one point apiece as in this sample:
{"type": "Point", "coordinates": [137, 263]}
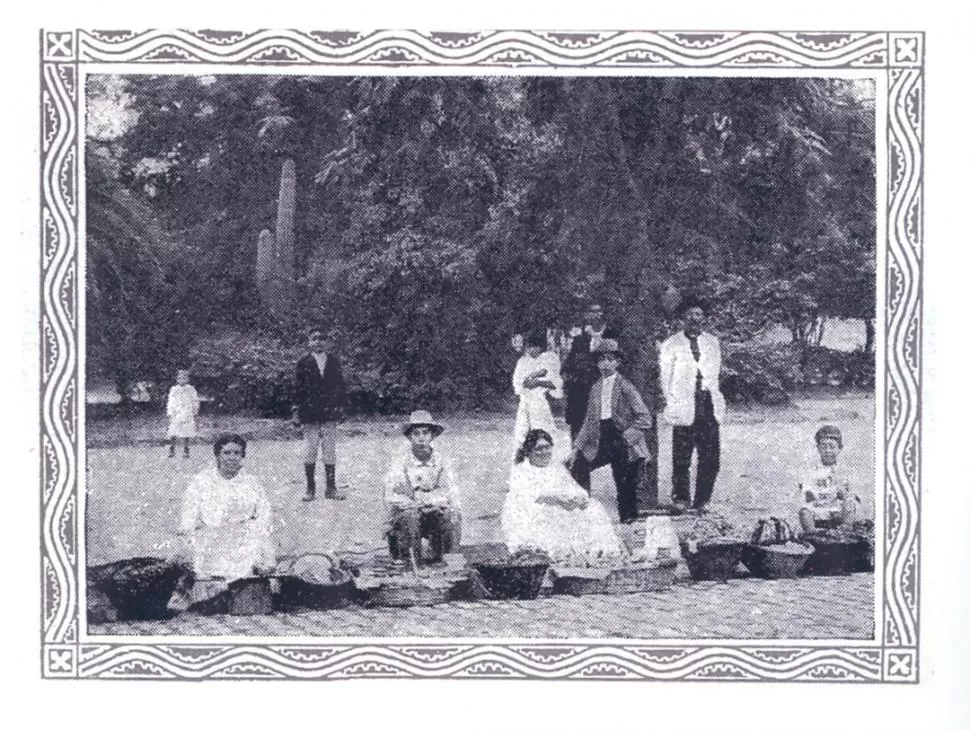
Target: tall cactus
{"type": "Point", "coordinates": [275, 257]}
{"type": "Point", "coordinates": [265, 266]}
{"type": "Point", "coordinates": [285, 237]}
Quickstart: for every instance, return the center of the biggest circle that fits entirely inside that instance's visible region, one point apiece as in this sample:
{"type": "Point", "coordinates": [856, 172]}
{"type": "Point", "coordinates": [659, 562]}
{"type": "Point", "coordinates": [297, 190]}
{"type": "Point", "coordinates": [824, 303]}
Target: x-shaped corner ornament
{"type": "Point", "coordinates": [60, 662]}
{"type": "Point", "coordinates": [901, 666]}
{"type": "Point", "coordinates": [60, 45]}
{"type": "Point", "coordinates": [906, 50]}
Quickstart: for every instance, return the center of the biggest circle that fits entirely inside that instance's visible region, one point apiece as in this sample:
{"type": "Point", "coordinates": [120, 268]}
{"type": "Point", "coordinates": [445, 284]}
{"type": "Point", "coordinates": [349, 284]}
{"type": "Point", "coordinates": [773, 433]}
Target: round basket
{"type": "Point", "coordinates": [314, 581]}
{"type": "Point", "coordinates": [138, 588]}
{"type": "Point", "coordinates": [714, 560]}
{"type": "Point", "coordinates": [512, 581]}
{"type": "Point", "coordinates": [839, 555]}
{"type": "Point", "coordinates": [776, 561]}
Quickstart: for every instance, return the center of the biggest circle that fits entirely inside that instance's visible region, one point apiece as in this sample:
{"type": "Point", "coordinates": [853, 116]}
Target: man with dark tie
{"type": "Point", "coordinates": [579, 370]}
{"type": "Point", "coordinates": [690, 368]}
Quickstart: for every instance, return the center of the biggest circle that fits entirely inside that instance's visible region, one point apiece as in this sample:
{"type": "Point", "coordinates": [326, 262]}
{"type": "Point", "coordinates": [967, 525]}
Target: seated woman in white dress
{"type": "Point", "coordinates": [227, 519]}
{"type": "Point", "coordinates": [547, 510]}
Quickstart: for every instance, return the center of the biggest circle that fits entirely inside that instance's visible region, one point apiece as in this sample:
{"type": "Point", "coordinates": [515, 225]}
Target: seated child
{"type": "Point", "coordinates": [422, 496]}
{"type": "Point", "coordinates": [824, 494]}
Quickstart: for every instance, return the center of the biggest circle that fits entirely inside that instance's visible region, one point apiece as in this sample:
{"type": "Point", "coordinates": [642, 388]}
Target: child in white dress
{"type": "Point", "coordinates": [182, 408]}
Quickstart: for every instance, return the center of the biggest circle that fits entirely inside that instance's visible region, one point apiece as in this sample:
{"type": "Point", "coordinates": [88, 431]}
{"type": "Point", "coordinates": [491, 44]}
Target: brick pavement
{"type": "Point", "coordinates": [838, 607]}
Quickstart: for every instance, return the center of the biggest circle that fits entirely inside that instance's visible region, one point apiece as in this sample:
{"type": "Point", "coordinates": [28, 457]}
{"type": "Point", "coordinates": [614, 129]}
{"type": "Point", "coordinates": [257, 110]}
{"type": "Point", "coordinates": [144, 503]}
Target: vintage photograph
{"type": "Point", "coordinates": [594, 355]}
{"type": "Point", "coordinates": [358, 342]}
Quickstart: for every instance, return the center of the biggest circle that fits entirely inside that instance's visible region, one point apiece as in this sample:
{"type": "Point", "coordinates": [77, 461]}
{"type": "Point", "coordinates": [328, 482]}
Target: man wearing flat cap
{"type": "Point", "coordinates": [690, 370]}
{"type": "Point", "coordinates": [422, 496]}
{"type": "Point", "coordinates": [613, 431]}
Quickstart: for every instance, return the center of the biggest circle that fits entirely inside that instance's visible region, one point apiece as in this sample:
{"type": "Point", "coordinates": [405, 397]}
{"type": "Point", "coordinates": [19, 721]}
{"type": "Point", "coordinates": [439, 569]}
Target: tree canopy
{"type": "Point", "coordinates": [437, 216]}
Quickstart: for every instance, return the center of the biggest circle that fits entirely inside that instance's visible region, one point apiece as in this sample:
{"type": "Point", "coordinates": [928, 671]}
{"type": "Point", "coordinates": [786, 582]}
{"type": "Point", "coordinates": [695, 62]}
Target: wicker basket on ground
{"type": "Point", "coordinates": [776, 561]}
{"type": "Point", "coordinates": [715, 559]}
{"type": "Point", "coordinates": [136, 588]}
{"type": "Point", "coordinates": [504, 576]}
{"type": "Point", "coordinates": [391, 583]}
{"type": "Point", "coordinates": [774, 551]}
{"type": "Point", "coordinates": [409, 590]}
{"type": "Point", "coordinates": [836, 553]}
{"type": "Point", "coordinates": [314, 582]}
{"type": "Point", "coordinates": [655, 576]}
{"type": "Point", "coordinates": [634, 578]}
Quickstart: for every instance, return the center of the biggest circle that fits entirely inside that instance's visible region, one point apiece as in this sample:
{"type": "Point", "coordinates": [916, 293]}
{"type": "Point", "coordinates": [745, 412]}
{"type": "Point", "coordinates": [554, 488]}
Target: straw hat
{"type": "Point", "coordinates": [423, 418]}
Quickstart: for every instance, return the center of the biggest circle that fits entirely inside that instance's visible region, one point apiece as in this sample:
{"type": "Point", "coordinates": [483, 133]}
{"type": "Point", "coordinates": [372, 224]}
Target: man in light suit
{"type": "Point", "coordinates": [690, 368]}
{"type": "Point", "coordinates": [613, 432]}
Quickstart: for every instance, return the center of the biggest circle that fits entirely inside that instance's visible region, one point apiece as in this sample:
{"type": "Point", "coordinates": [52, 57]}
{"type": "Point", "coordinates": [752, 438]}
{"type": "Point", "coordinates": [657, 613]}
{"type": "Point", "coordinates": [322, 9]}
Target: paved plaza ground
{"type": "Point", "coordinates": [133, 495]}
{"type": "Point", "coordinates": [805, 608]}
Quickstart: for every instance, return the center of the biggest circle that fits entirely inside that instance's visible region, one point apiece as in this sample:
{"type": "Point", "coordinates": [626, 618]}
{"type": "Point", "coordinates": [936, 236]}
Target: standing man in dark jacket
{"type": "Point", "coordinates": [319, 400]}
{"type": "Point", "coordinates": [579, 370]}
{"type": "Point", "coordinates": [613, 433]}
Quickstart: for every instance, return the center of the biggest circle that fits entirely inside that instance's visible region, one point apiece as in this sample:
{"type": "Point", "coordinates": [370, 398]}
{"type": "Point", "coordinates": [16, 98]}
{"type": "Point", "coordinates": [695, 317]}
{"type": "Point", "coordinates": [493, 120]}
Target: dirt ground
{"type": "Point", "coordinates": [134, 491]}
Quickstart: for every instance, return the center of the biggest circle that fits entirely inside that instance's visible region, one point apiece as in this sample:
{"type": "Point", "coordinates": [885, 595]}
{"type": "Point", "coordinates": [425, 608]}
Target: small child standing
{"type": "Point", "coordinates": [182, 408]}
{"type": "Point", "coordinates": [825, 495]}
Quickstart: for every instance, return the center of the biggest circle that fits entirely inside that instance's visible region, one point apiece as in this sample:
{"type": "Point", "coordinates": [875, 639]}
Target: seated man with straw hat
{"type": "Point", "coordinates": [421, 494]}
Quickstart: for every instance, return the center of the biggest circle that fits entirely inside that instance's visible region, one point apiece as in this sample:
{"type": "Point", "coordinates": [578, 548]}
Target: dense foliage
{"type": "Point", "coordinates": [437, 216]}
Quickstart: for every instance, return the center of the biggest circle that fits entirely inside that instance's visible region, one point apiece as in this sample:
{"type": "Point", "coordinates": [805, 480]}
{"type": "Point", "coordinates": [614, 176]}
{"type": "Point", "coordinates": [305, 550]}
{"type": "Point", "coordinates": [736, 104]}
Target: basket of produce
{"type": "Point", "coordinates": [776, 561]}
{"type": "Point", "coordinates": [517, 577]}
{"type": "Point", "coordinates": [840, 551]}
{"type": "Point", "coordinates": [862, 558]}
{"type": "Point", "coordinates": [386, 582]}
{"type": "Point", "coordinates": [710, 547]}
{"type": "Point", "coordinates": [313, 581]}
{"type": "Point", "coordinates": [774, 552]}
{"type": "Point", "coordinates": [137, 588]}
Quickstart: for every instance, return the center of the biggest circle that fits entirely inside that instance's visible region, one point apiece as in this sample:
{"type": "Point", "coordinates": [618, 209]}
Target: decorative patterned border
{"type": "Point", "coordinates": [897, 55]}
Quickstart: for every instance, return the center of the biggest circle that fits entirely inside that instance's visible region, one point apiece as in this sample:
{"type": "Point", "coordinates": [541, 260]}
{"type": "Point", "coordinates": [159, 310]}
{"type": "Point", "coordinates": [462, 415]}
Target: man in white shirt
{"type": "Point", "coordinates": [422, 496]}
{"type": "Point", "coordinates": [690, 369]}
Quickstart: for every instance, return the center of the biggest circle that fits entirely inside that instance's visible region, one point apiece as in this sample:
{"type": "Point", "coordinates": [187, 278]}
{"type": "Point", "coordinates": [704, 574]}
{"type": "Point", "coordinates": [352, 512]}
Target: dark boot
{"type": "Point", "coordinates": [311, 483]}
{"type": "Point", "coordinates": [331, 492]}
{"type": "Point", "coordinates": [171, 449]}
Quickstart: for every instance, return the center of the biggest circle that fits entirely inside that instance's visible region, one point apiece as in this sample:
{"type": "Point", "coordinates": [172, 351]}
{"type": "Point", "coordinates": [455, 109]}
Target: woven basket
{"type": "Point", "coordinates": [329, 586]}
{"type": "Point", "coordinates": [512, 581]}
{"type": "Point", "coordinates": [250, 597]}
{"type": "Point", "coordinates": [715, 560]}
{"type": "Point", "coordinates": [407, 591]}
{"type": "Point", "coordinates": [658, 576]}
{"type": "Point", "coordinates": [137, 588]}
{"type": "Point", "coordinates": [837, 555]}
{"type": "Point", "coordinates": [776, 561]}
{"type": "Point", "coordinates": [579, 581]}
